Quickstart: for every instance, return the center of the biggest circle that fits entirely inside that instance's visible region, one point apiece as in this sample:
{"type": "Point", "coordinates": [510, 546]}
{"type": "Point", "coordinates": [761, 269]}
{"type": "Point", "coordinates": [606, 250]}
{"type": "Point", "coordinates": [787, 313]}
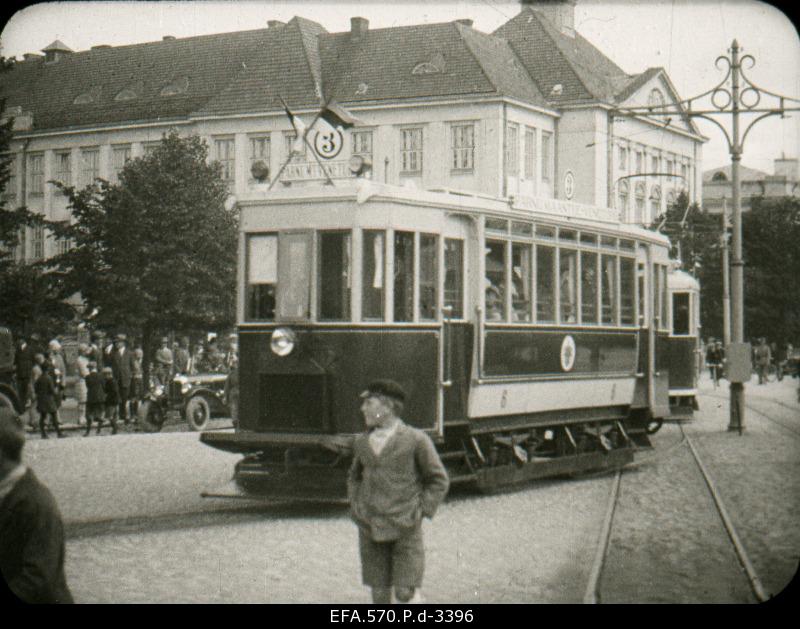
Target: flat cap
{"type": "Point", "coordinates": [386, 387]}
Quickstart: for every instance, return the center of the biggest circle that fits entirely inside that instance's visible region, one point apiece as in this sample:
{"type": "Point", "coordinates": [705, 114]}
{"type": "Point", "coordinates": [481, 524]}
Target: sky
{"type": "Point", "coordinates": [683, 36]}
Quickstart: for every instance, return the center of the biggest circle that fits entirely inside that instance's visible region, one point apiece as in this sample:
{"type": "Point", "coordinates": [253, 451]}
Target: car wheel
{"type": "Point", "coordinates": [197, 413]}
{"type": "Point", "coordinates": [151, 416]}
{"type": "Point", "coordinates": [7, 402]}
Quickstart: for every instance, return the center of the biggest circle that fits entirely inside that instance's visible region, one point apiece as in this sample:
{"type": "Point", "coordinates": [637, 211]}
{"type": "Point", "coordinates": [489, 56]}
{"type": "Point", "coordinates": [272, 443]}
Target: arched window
{"type": "Point", "coordinates": [640, 193]}
{"type": "Point", "coordinates": [655, 98]}
{"type": "Point", "coordinates": [622, 199]}
{"type": "Point", "coordinates": [655, 203]}
{"type": "Point", "coordinates": [719, 176]}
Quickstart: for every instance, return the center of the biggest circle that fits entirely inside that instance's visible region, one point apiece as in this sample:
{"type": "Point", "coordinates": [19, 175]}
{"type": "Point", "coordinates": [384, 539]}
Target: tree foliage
{"type": "Point", "coordinates": [156, 251]}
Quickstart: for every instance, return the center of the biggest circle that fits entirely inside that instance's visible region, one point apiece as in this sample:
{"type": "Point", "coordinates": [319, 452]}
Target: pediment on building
{"type": "Point", "coordinates": [654, 91]}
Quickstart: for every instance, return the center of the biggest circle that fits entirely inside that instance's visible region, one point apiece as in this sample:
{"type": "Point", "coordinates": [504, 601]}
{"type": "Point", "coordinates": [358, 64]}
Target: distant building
{"type": "Point", "coordinates": [754, 183]}
{"type": "Point", "coordinates": [528, 110]}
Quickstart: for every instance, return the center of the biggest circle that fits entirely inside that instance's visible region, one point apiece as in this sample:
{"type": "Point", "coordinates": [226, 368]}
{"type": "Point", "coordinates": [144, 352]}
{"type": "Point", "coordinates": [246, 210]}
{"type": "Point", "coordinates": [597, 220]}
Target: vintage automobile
{"type": "Point", "coordinates": [196, 398]}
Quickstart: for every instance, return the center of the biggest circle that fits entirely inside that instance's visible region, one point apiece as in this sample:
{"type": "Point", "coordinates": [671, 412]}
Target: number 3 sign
{"type": "Point", "coordinates": [328, 144]}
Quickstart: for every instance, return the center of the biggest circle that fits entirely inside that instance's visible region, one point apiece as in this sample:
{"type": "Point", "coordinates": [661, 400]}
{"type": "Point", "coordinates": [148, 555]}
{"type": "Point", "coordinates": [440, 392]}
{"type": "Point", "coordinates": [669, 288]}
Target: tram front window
{"type": "Point", "coordinates": [334, 276]}
{"type": "Point", "coordinates": [495, 280]}
{"type": "Point", "coordinates": [373, 266]}
{"type": "Point", "coordinates": [568, 284]}
{"type": "Point", "coordinates": [521, 281]}
{"type": "Point", "coordinates": [545, 287]}
{"type": "Point", "coordinates": [294, 275]}
{"type": "Point", "coordinates": [627, 281]}
{"type": "Point", "coordinates": [262, 275]}
{"type": "Point", "coordinates": [454, 276]}
{"type": "Point", "coordinates": [589, 287]}
{"type": "Point", "coordinates": [428, 276]}
{"type": "Point", "coordinates": [680, 313]}
{"type": "Point", "coordinates": [403, 276]}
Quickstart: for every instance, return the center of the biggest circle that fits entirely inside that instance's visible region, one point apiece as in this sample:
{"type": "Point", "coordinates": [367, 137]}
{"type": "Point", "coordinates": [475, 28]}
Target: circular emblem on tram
{"type": "Point", "coordinates": [328, 144]}
{"type": "Point", "coordinates": [569, 184]}
{"type": "Point", "coordinates": [568, 353]}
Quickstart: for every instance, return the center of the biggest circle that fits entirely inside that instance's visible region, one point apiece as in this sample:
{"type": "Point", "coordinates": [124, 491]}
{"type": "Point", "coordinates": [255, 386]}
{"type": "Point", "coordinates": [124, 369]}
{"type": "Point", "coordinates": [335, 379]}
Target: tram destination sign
{"type": "Point", "coordinates": [566, 208]}
{"type": "Point", "coordinates": [312, 171]}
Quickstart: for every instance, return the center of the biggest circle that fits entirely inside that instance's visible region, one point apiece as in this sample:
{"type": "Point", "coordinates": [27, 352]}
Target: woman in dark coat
{"type": "Point", "coordinates": [46, 400]}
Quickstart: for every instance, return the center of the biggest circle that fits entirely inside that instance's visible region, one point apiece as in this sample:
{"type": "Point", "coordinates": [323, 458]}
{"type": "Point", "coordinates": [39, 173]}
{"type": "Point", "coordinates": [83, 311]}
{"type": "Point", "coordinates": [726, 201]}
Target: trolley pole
{"type": "Point", "coordinates": [735, 95]}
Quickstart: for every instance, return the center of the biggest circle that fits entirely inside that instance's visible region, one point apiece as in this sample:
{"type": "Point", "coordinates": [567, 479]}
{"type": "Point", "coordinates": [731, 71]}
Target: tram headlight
{"type": "Point", "coordinates": [283, 341]}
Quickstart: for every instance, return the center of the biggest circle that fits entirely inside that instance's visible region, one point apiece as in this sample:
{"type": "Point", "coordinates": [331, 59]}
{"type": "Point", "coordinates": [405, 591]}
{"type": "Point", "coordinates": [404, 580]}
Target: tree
{"type": "Point", "coordinates": [770, 237]}
{"type": "Point", "coordinates": [157, 251]}
{"type": "Point", "coordinates": [696, 241]}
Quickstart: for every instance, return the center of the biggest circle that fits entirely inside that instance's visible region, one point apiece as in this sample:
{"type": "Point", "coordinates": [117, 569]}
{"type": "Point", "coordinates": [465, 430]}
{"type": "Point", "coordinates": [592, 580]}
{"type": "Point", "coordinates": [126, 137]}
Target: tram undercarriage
{"type": "Point", "coordinates": [486, 462]}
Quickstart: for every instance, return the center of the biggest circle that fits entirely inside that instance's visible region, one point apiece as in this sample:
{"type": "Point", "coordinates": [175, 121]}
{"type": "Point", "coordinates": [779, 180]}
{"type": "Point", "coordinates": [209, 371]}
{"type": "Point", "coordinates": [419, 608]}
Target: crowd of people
{"type": "Point", "coordinates": [109, 376]}
{"type": "Point", "coordinates": [766, 358]}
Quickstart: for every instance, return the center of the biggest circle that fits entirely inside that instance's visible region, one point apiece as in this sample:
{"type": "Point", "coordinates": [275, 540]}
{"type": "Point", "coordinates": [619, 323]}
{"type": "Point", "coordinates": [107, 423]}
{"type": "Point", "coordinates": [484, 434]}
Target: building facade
{"type": "Point", "coordinates": [531, 110]}
{"type": "Point", "coordinates": [717, 191]}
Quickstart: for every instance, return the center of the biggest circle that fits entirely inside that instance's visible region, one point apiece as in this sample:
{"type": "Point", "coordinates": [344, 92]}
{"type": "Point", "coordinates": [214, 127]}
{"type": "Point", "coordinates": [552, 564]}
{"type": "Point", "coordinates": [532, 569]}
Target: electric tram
{"type": "Point", "coordinates": [685, 355]}
{"type": "Point", "coordinates": [532, 336]}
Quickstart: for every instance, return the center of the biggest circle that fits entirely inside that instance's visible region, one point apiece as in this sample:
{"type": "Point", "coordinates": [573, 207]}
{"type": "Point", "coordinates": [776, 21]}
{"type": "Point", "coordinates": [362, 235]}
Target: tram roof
{"type": "Point", "coordinates": [681, 280]}
{"type": "Point", "coordinates": [467, 202]}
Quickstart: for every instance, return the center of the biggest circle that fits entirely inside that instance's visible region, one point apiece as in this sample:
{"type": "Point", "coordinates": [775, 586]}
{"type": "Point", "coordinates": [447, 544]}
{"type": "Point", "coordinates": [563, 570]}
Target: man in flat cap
{"type": "Point", "coordinates": [396, 479]}
{"type": "Point", "coordinates": [31, 529]}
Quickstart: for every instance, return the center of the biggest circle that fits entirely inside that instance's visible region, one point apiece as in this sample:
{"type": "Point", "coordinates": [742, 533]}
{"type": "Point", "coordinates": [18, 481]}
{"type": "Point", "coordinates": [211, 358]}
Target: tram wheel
{"type": "Point", "coordinates": [654, 425]}
{"type": "Point", "coordinates": [197, 413]}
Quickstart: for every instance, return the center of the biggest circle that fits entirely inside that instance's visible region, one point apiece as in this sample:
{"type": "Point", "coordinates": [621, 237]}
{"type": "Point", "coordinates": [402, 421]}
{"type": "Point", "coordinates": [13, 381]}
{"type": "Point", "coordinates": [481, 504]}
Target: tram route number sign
{"type": "Point", "coordinates": [569, 185]}
{"type": "Point", "coordinates": [328, 143]}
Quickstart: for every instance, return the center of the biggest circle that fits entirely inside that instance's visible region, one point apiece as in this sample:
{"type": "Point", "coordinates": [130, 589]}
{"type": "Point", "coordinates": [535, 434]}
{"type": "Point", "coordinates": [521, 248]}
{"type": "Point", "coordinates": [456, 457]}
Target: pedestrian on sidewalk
{"type": "Point", "coordinates": [763, 358]}
{"type": "Point", "coordinates": [137, 382]}
{"type": "Point", "coordinates": [46, 401]}
{"type": "Point", "coordinates": [31, 529]}
{"type": "Point", "coordinates": [122, 366]}
{"type": "Point", "coordinates": [395, 480]}
{"type": "Point", "coordinates": [95, 398]}
{"type": "Point", "coordinates": [82, 370]}
{"type": "Point", "coordinates": [111, 389]}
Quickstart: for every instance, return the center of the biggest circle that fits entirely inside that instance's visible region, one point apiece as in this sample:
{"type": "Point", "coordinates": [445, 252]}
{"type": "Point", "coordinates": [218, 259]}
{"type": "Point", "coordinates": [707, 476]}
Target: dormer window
{"type": "Point", "coordinates": [88, 97]}
{"type": "Point", "coordinates": [433, 66]}
{"type": "Point", "coordinates": [126, 94]}
{"type": "Point", "coordinates": [178, 86]}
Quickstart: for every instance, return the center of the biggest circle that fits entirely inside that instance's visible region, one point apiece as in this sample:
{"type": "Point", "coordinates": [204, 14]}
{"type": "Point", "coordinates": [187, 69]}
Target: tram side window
{"type": "Point", "coordinates": [589, 279]}
{"type": "Point", "coordinates": [642, 290]}
{"type": "Point", "coordinates": [495, 280]}
{"type": "Point", "coordinates": [663, 296]}
{"type": "Point", "coordinates": [262, 277]}
{"type": "Point", "coordinates": [568, 284]}
{"type": "Point", "coordinates": [545, 286]}
{"type": "Point", "coordinates": [454, 276]}
{"type": "Point", "coordinates": [680, 313]}
{"type": "Point", "coordinates": [521, 281]}
{"type": "Point", "coordinates": [627, 282]}
{"type": "Point", "coordinates": [428, 276]}
{"type": "Point", "coordinates": [608, 289]}
{"type": "Point", "coordinates": [373, 267]}
{"type": "Point", "coordinates": [334, 276]}
{"type": "Point", "coordinates": [403, 276]}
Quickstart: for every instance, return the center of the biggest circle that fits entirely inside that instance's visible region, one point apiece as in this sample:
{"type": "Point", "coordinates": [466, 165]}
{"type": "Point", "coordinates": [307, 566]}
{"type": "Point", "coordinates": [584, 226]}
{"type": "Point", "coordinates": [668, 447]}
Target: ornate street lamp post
{"type": "Point", "coordinates": [742, 97]}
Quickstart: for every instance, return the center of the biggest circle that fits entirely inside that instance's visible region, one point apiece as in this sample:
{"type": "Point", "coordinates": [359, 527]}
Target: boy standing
{"type": "Point", "coordinates": [111, 388]}
{"type": "Point", "coordinates": [396, 479]}
{"type": "Point", "coordinates": [95, 398]}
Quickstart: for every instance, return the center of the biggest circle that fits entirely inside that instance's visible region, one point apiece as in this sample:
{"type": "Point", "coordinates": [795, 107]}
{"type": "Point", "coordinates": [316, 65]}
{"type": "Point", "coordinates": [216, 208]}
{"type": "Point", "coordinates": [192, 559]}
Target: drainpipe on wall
{"type": "Point", "coordinates": [504, 132]}
{"type": "Point", "coordinates": [610, 165]}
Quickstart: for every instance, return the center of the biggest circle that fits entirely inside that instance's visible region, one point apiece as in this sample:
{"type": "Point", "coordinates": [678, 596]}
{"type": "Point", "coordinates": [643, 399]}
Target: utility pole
{"type": "Point", "coordinates": [726, 281]}
{"type": "Point", "coordinates": [734, 96]}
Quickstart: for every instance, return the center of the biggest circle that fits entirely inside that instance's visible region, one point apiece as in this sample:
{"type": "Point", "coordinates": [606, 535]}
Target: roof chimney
{"type": "Point", "coordinates": [465, 21]}
{"type": "Point", "coordinates": [101, 46]}
{"type": "Point", "coordinates": [168, 38]}
{"type": "Point", "coordinates": [30, 56]}
{"type": "Point", "coordinates": [358, 27]}
{"type": "Point", "coordinates": [560, 13]}
{"type": "Point", "coordinates": [274, 23]}
{"type": "Point", "coordinates": [55, 51]}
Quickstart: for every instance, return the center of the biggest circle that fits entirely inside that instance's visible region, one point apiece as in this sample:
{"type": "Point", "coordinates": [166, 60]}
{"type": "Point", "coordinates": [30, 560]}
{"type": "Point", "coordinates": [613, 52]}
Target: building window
{"type": "Point", "coordinates": [259, 151]}
{"type": "Point", "coordinates": [21, 250]}
{"type": "Point", "coordinates": [262, 277]}
{"type": "Point", "coordinates": [684, 176]}
{"type": "Point", "coordinates": [463, 146]}
{"type": "Point", "coordinates": [334, 276]}
{"type": "Point", "coordinates": [411, 150]}
{"type": "Point", "coordinates": [37, 242]}
{"type": "Point", "coordinates": [640, 200]}
{"type": "Point", "coordinates": [90, 165]}
{"type": "Point", "coordinates": [36, 174]}
{"type": "Point", "coordinates": [655, 203]}
{"type": "Point", "coordinates": [656, 98]}
{"type": "Point", "coordinates": [63, 244]}
{"type": "Point", "coordinates": [512, 149]}
{"type": "Point", "coordinates": [11, 185]}
{"type": "Point", "coordinates": [64, 168]}
{"type": "Point", "coordinates": [547, 157]}
{"type": "Point", "coordinates": [639, 162]}
{"type": "Point", "coordinates": [149, 147]}
{"type": "Point", "coordinates": [120, 155]}
{"type": "Point", "coordinates": [295, 149]}
{"type": "Point", "coordinates": [622, 198]}
{"type": "Point", "coordinates": [530, 153]}
{"type": "Point", "coordinates": [224, 153]}
{"type": "Point", "coordinates": [623, 158]}
{"type": "Point", "coordinates": [655, 163]}
{"type": "Point", "coordinates": [362, 144]}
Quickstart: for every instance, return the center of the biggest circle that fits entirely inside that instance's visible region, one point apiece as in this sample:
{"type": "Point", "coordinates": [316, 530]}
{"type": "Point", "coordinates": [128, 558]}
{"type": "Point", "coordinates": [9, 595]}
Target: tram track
{"type": "Point", "coordinates": [593, 592]}
{"type": "Point", "coordinates": [748, 405]}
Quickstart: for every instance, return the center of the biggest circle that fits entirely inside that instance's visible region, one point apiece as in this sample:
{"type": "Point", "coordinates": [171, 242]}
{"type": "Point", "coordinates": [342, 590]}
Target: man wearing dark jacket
{"type": "Point", "coordinates": [396, 479]}
{"type": "Point", "coordinates": [122, 366]}
{"type": "Point", "coordinates": [31, 530]}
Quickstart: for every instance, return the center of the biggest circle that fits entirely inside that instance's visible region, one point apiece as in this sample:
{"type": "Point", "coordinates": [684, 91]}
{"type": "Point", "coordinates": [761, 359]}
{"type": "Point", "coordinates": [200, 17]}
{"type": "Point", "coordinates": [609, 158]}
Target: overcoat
{"type": "Point", "coordinates": [45, 394]}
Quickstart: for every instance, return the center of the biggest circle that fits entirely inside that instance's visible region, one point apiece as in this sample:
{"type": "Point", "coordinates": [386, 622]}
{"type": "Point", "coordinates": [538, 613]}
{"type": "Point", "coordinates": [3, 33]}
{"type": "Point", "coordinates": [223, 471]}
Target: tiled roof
{"type": "Point", "coordinates": [380, 65]}
{"type": "Point", "coordinates": [553, 58]}
{"type": "Point", "coordinates": [636, 83]}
